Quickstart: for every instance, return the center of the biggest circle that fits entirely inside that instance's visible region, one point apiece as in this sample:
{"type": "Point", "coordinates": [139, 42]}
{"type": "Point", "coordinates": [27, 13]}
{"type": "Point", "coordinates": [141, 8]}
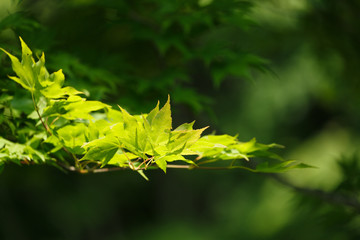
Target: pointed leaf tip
{"type": "Point", "coordinates": [25, 48]}
{"type": "Point", "coordinates": [161, 162]}
{"type": "Point", "coordinates": [141, 172]}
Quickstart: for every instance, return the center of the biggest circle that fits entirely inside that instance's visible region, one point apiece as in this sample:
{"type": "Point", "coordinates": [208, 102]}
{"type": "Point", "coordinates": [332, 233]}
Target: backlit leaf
{"type": "Point", "coordinates": [102, 150]}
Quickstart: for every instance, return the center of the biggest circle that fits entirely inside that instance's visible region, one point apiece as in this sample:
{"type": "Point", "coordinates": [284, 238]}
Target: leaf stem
{"type": "Point", "coordinates": [77, 165]}
{"type": "Point", "coordinates": [131, 165]}
{"type": "Point", "coordinates": [53, 121]}
{"type": "Point", "coordinates": [38, 113]}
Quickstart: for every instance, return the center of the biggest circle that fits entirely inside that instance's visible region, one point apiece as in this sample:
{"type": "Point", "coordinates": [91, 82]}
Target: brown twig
{"type": "Point", "coordinates": [173, 166]}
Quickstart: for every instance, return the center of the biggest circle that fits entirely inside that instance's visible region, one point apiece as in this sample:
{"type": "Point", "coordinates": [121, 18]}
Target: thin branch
{"type": "Point", "coordinates": [38, 113]}
{"type": "Point", "coordinates": [143, 162]}
{"type": "Point", "coordinates": [57, 118]}
{"type": "Point", "coordinates": [50, 133]}
{"type": "Point", "coordinates": [149, 162]}
{"type": "Point", "coordinates": [111, 169]}
{"type": "Point", "coordinates": [333, 198]}
{"type": "Point", "coordinates": [131, 165]}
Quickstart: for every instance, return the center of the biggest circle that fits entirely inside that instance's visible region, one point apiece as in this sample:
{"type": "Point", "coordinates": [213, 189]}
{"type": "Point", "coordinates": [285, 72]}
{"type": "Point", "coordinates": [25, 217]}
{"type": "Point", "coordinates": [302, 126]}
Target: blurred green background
{"type": "Point", "coordinates": [279, 70]}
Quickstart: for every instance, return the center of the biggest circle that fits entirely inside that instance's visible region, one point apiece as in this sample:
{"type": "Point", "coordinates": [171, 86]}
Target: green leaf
{"type": "Point", "coordinates": [150, 117]}
{"type": "Point", "coordinates": [121, 158]}
{"type": "Point", "coordinates": [132, 133]}
{"type": "Point", "coordinates": [82, 109]}
{"type": "Point", "coordinates": [162, 120]}
{"type": "Point", "coordinates": [177, 157]}
{"type": "Point", "coordinates": [211, 145]}
{"type": "Point", "coordinates": [254, 149]}
{"type": "Point", "coordinates": [130, 122]}
{"type": "Point", "coordinates": [102, 150]}
{"type": "Point", "coordinates": [55, 89]}
{"type": "Point", "coordinates": [161, 162]}
{"type": "Point", "coordinates": [97, 129]}
{"type": "Point", "coordinates": [185, 127]}
{"type": "Point", "coordinates": [225, 147]}
{"type": "Point", "coordinates": [141, 172]}
{"type": "Point", "coordinates": [55, 142]}
{"type": "Point", "coordinates": [73, 108]}
{"type": "Point", "coordinates": [25, 78]}
{"type": "Point", "coordinates": [281, 167]}
{"type": "Point", "coordinates": [181, 139]}
{"type": "Point", "coordinates": [34, 77]}
{"type": "Point", "coordinates": [114, 116]}
{"type": "Point", "coordinates": [72, 137]}
{"type": "Point", "coordinates": [16, 152]}
{"type": "Point", "coordinates": [158, 125]}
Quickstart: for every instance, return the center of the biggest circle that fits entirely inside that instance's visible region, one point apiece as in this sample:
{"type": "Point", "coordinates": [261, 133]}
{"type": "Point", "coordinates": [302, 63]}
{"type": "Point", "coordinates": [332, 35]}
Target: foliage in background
{"type": "Point", "coordinates": [157, 56]}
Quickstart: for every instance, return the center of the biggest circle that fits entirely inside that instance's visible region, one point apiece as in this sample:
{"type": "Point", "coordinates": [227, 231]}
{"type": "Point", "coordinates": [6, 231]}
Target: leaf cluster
{"type": "Point", "coordinates": [95, 136]}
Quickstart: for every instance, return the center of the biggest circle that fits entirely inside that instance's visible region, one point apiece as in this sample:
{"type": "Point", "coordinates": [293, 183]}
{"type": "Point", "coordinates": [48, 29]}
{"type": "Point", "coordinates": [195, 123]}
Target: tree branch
{"type": "Point", "coordinates": [330, 197]}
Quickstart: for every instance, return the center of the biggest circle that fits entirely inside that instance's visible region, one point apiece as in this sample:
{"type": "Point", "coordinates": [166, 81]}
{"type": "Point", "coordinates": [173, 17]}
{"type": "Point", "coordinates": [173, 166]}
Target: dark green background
{"type": "Point", "coordinates": [281, 71]}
